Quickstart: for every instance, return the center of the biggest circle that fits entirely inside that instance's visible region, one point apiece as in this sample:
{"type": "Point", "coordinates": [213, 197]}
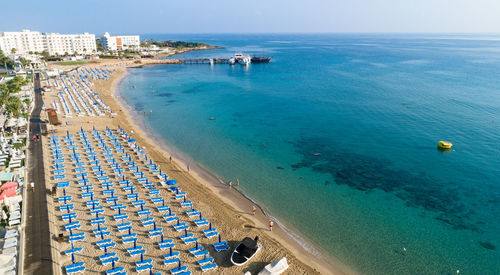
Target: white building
{"type": "Point", "coordinates": [54, 43]}
{"type": "Point", "coordinates": [122, 42]}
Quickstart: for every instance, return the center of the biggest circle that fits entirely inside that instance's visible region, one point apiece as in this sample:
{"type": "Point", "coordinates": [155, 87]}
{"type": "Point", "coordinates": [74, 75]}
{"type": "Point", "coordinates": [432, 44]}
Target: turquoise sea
{"type": "Point", "coordinates": [337, 139]}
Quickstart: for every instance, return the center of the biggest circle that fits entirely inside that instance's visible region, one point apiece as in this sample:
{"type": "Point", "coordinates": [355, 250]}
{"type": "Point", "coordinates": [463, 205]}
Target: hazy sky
{"type": "Point", "coordinates": [258, 16]}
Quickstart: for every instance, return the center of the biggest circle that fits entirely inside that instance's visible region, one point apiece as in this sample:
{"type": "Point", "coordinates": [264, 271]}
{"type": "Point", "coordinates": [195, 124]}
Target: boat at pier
{"type": "Point", "coordinates": [242, 59]}
{"type": "Point", "coordinates": [260, 59]}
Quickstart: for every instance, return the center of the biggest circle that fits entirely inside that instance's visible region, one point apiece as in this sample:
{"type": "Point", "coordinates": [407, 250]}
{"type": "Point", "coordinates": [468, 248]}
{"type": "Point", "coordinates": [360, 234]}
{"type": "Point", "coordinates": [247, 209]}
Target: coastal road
{"type": "Point", "coordinates": [38, 257]}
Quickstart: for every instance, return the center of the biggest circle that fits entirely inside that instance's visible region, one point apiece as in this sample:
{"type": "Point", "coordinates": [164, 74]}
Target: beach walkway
{"type": "Point", "coordinates": [38, 259]}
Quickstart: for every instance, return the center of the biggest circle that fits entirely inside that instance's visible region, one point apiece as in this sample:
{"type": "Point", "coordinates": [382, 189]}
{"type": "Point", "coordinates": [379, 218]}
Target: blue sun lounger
{"type": "Point", "coordinates": [211, 234]}
{"type": "Point", "coordinates": [108, 245]}
{"type": "Point", "coordinates": [222, 246]}
{"type": "Point", "coordinates": [77, 237]}
{"type": "Point", "coordinates": [164, 246]}
{"type": "Point", "coordinates": [122, 216]}
{"type": "Point", "coordinates": [173, 255]}
{"type": "Point", "coordinates": [187, 204]}
{"type": "Point", "coordinates": [138, 203]}
{"type": "Point", "coordinates": [137, 252]}
{"type": "Point", "coordinates": [120, 206]}
{"type": "Point", "coordinates": [103, 242]}
{"type": "Point", "coordinates": [195, 249]}
{"type": "Point", "coordinates": [72, 225]}
{"type": "Point", "coordinates": [201, 222]}
{"type": "Point", "coordinates": [107, 256]}
{"type": "Point", "coordinates": [109, 191]}
{"type": "Point", "coordinates": [75, 270]}
{"type": "Point", "coordinates": [124, 228]}
{"type": "Point", "coordinates": [171, 261]}
{"type": "Point", "coordinates": [144, 212]}
{"type": "Point", "coordinates": [132, 196]}
{"type": "Point", "coordinates": [66, 217]}
{"type": "Point", "coordinates": [87, 194]}
{"type": "Point", "coordinates": [73, 250]}
{"type": "Point", "coordinates": [110, 260]}
{"type": "Point", "coordinates": [96, 211]}
{"type": "Point", "coordinates": [178, 270]}
{"type": "Point", "coordinates": [66, 207]}
{"type": "Point", "coordinates": [126, 224]}
{"type": "Point", "coordinates": [97, 230]}
{"type": "Point", "coordinates": [115, 270]}
{"type": "Point", "coordinates": [144, 262]}
{"type": "Point", "coordinates": [132, 249]}
{"type": "Point", "coordinates": [201, 253]}
{"type": "Point", "coordinates": [163, 208]}
{"type": "Point", "coordinates": [181, 226]}
{"type": "Point", "coordinates": [205, 261]}
{"type": "Point", "coordinates": [190, 240]}
{"type": "Point", "coordinates": [129, 240]}
{"type": "Point", "coordinates": [102, 233]}
{"type": "Point", "coordinates": [157, 200]}
{"type": "Point", "coordinates": [187, 236]}
{"type": "Point", "coordinates": [142, 268]}
{"type": "Point", "coordinates": [208, 267]}
{"type": "Point", "coordinates": [131, 235]}
{"type": "Point", "coordinates": [157, 230]}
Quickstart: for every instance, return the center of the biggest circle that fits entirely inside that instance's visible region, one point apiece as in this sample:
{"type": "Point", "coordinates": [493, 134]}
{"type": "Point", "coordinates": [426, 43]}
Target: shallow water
{"type": "Point", "coordinates": [337, 138]}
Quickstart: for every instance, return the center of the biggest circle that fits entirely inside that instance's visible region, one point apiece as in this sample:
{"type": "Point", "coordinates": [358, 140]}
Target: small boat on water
{"type": "Point", "coordinates": [242, 59]}
{"type": "Point", "coordinates": [260, 59]}
{"type": "Point", "coordinates": [245, 251]}
{"type": "Point", "coordinates": [444, 144]}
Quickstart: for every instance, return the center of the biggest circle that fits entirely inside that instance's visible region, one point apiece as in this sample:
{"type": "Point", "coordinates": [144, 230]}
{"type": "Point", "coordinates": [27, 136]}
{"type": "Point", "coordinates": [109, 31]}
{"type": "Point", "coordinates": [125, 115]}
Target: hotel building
{"type": "Point", "coordinates": [122, 42]}
{"type": "Point", "coordinates": [54, 43]}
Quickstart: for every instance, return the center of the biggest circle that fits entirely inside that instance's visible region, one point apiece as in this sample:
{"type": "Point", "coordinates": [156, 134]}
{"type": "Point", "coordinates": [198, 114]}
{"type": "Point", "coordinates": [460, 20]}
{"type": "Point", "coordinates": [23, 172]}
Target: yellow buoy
{"type": "Point", "coordinates": [444, 144]}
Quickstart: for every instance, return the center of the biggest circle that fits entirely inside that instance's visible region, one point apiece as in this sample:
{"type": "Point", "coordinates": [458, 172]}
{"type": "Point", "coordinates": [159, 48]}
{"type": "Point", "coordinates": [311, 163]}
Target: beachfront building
{"type": "Point", "coordinates": [120, 43]}
{"type": "Point", "coordinates": [22, 42]}
{"type": "Point", "coordinates": [54, 43]}
{"type": "Point", "coordinates": [70, 43]}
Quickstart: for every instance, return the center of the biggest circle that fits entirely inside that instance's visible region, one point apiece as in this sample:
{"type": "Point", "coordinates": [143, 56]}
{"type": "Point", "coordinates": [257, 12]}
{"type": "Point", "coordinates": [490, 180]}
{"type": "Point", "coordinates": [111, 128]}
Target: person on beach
{"type": "Point", "coordinates": [32, 186]}
{"type": "Point", "coordinates": [271, 223]}
{"type": "Point", "coordinates": [253, 209]}
{"type": "Point", "coordinates": [237, 182]}
{"type": "Point", "coordinates": [188, 167]}
{"type": "Point", "coordinates": [170, 159]}
{"type": "Point", "coordinates": [230, 184]}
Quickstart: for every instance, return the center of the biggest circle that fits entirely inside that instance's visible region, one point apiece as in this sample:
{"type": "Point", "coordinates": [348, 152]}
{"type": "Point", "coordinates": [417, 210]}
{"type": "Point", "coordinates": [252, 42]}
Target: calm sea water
{"type": "Point", "coordinates": [337, 138]}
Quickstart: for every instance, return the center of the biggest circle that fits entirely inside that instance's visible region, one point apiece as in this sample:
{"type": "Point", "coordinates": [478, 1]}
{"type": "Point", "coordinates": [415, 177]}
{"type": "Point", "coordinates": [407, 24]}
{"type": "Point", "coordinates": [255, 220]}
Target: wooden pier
{"type": "Point", "coordinates": [210, 61]}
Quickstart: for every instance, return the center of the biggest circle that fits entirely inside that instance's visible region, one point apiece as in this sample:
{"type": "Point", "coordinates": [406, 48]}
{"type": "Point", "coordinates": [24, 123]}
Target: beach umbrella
{"type": "Point", "coordinates": [169, 211]}
{"type": "Point", "coordinates": [73, 257]}
{"type": "Point", "coordinates": [105, 250]}
{"type": "Point", "coordinates": [119, 211]}
{"type": "Point", "coordinates": [64, 192]}
{"type": "Point", "coordinates": [142, 257]}
{"type": "Point", "coordinates": [99, 226]}
{"type": "Point", "coordinates": [161, 237]}
{"type": "Point", "coordinates": [102, 235]}
{"type": "Point", "coordinates": [154, 225]}
{"type": "Point", "coordinates": [219, 238]}
{"type": "Point", "coordinates": [97, 214]}
{"type": "Point", "coordinates": [69, 218]}
{"type": "Point", "coordinates": [196, 244]}
{"type": "Point", "coordinates": [177, 221]}
{"type": "Point", "coordinates": [200, 216]}
{"type": "Point", "coordinates": [71, 231]}
{"type": "Point", "coordinates": [184, 198]}
{"type": "Point", "coordinates": [113, 263]}
{"type": "Point", "coordinates": [129, 230]}
{"type": "Point", "coordinates": [210, 226]}
{"type": "Point", "coordinates": [135, 243]}
{"type": "Point", "coordinates": [185, 230]}
{"type": "Point", "coordinates": [142, 208]}
{"type": "Point", "coordinates": [170, 251]}
{"type": "Point", "coordinates": [179, 263]}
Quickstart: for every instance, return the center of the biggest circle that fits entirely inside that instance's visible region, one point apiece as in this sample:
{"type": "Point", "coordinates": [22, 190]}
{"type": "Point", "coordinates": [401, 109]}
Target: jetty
{"type": "Point", "coordinates": [210, 61]}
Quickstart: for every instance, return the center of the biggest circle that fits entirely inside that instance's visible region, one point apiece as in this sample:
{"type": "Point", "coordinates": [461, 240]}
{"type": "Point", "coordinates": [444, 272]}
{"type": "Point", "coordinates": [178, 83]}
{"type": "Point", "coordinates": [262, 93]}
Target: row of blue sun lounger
{"type": "Point", "coordinates": [144, 264]}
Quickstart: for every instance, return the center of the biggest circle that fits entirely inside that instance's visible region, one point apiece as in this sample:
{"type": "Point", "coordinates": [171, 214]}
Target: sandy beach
{"type": "Point", "coordinates": [225, 207]}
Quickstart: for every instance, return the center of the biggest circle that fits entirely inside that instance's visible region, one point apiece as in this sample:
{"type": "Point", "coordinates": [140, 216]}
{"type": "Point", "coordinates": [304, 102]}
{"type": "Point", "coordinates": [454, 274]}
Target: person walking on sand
{"type": "Point", "coordinates": [170, 159]}
{"type": "Point", "coordinates": [253, 209]}
{"type": "Point", "coordinates": [32, 186]}
{"type": "Point", "coordinates": [188, 167]}
{"type": "Point", "coordinates": [230, 184]}
{"type": "Point", "coordinates": [271, 223]}
{"type": "Point", "coordinates": [237, 182]}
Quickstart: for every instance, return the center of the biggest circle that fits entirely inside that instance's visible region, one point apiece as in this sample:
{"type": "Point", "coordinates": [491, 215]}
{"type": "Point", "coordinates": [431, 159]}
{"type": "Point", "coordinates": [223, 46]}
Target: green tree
{"type": "Point", "coordinates": [13, 50]}
{"type": "Point", "coordinates": [13, 105]}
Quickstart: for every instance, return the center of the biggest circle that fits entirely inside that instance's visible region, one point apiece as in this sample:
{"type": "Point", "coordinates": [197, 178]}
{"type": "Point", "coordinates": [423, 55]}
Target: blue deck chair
{"type": "Point", "coordinates": [208, 267]}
